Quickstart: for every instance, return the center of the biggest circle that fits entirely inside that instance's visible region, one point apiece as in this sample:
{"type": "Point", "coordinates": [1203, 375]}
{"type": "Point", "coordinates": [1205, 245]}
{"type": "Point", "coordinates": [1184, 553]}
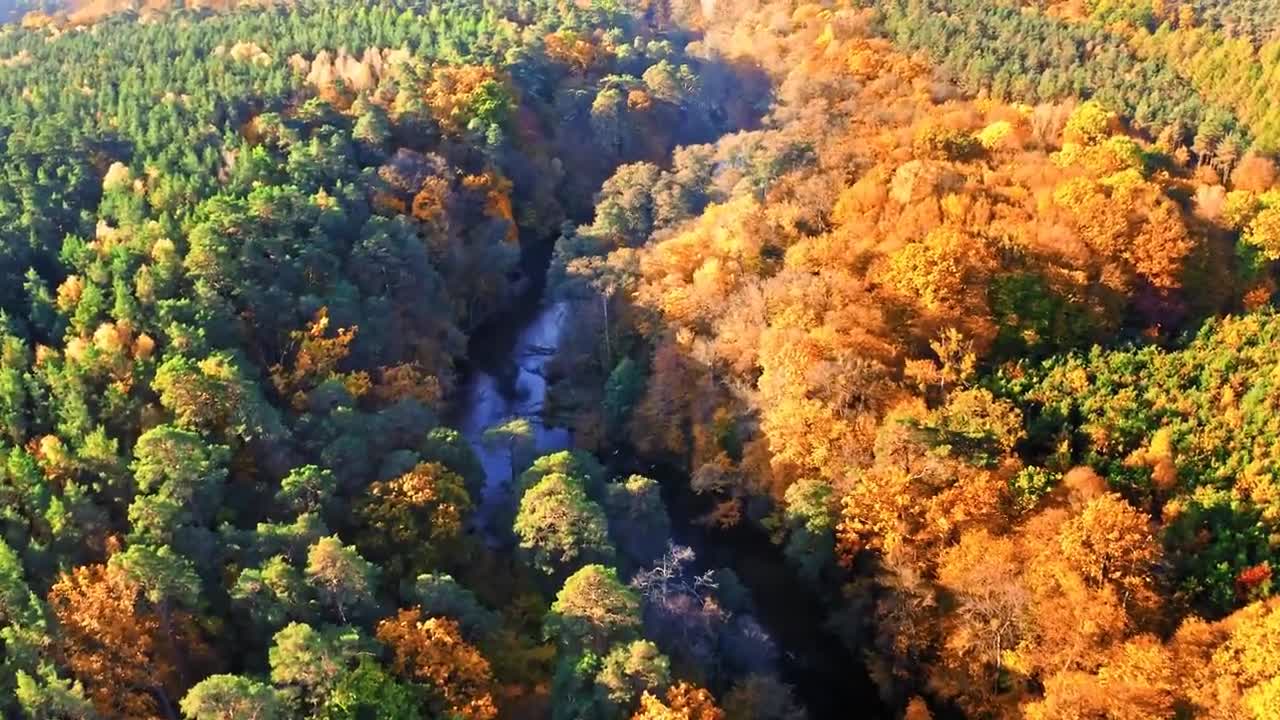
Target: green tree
{"type": "Point", "coordinates": [629, 670]}
{"type": "Point", "coordinates": [593, 611]}
{"type": "Point", "coordinates": [307, 489]}
{"type": "Point", "coordinates": [638, 521]}
{"type": "Point", "coordinates": [622, 391]}
{"type": "Point", "coordinates": [515, 437]}
{"type": "Point", "coordinates": [441, 596]}
{"type": "Point", "coordinates": [230, 697]}
{"type": "Point", "coordinates": [560, 528]}
{"type": "Point", "coordinates": [369, 692]}
{"type": "Point", "coordinates": [810, 518]}
{"type": "Point", "coordinates": [313, 662]}
{"type": "Point", "coordinates": [180, 466]}
{"type": "Point", "coordinates": [344, 580]}
{"type": "Point", "coordinates": [272, 594]}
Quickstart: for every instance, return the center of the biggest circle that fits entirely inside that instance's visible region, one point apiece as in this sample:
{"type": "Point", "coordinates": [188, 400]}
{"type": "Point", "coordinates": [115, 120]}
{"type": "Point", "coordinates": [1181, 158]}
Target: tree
{"type": "Point", "coordinates": [1241, 675]}
{"type": "Point", "coordinates": [313, 661]}
{"type": "Point", "coordinates": [272, 594]}
{"type": "Point", "coordinates": [810, 519]}
{"type": "Point", "coordinates": [638, 519]}
{"type": "Point", "coordinates": [683, 702]}
{"type": "Point", "coordinates": [1263, 232]}
{"type": "Point", "coordinates": [180, 466]}
{"type": "Point", "coordinates": [369, 691]}
{"type": "Point", "coordinates": [230, 697]}
{"type": "Point", "coordinates": [48, 696]}
{"type": "Point", "coordinates": [127, 662]}
{"type": "Point", "coordinates": [433, 652]}
{"type": "Point", "coordinates": [630, 670]}
{"type": "Point", "coordinates": [622, 391]}
{"type": "Point", "coordinates": [214, 395]}
{"type": "Point", "coordinates": [993, 608]}
{"type": "Point", "coordinates": [442, 596]}
{"type": "Point", "coordinates": [1089, 124]}
{"type": "Point", "coordinates": [576, 464]}
{"type": "Point", "coordinates": [761, 697]}
{"type": "Point", "coordinates": [316, 357]}
{"type": "Point", "coordinates": [515, 436]}
{"type": "Point", "coordinates": [165, 578]}
{"type": "Point", "coordinates": [561, 528]}
{"type": "Point", "coordinates": [1110, 542]}
{"type": "Point", "coordinates": [344, 580]}
{"type": "Point", "coordinates": [593, 611]}
{"type": "Point", "coordinates": [307, 489]}
{"type": "Point", "coordinates": [411, 522]}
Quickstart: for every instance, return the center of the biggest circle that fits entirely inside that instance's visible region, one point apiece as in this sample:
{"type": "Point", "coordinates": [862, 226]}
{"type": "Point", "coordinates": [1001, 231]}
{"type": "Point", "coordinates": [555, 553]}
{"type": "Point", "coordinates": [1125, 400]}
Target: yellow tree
{"type": "Point", "coordinates": [1139, 680]}
{"type": "Point", "coordinates": [1232, 667]}
{"type": "Point", "coordinates": [992, 612]}
{"type": "Point", "coordinates": [683, 702]}
{"type": "Point", "coordinates": [410, 520]}
{"type": "Point", "coordinates": [316, 356]}
{"type": "Point", "coordinates": [1110, 542]}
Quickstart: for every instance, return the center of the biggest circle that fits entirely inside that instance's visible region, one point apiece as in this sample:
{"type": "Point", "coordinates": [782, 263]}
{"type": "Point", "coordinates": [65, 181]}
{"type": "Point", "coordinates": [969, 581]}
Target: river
{"type": "Point", "coordinates": [505, 379]}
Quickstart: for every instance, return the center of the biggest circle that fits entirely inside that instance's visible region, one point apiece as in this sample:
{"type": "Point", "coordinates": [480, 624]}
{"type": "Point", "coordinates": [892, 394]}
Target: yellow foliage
{"type": "Point", "coordinates": [993, 136]}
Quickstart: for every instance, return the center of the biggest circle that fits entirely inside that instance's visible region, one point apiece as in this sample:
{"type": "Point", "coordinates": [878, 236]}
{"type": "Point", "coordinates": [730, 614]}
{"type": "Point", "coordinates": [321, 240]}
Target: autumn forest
{"type": "Point", "coordinates": [639, 359]}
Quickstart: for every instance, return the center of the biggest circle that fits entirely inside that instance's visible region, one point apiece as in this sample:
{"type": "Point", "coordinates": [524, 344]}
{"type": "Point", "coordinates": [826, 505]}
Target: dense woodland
{"type": "Point", "coordinates": [967, 305]}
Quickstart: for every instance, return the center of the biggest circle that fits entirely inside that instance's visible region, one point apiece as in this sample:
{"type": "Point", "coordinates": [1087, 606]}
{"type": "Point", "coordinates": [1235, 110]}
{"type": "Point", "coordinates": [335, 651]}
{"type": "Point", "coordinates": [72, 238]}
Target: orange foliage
{"type": "Point", "coordinates": [315, 360]}
{"type": "Point", "coordinates": [433, 652]}
{"type": "Point", "coordinates": [129, 658]}
{"type": "Point", "coordinates": [570, 48]}
{"type": "Point", "coordinates": [451, 90]}
{"type": "Point", "coordinates": [431, 202]}
{"type": "Point", "coordinates": [407, 381]}
{"type": "Point", "coordinates": [683, 702]}
{"type": "Point", "coordinates": [497, 194]}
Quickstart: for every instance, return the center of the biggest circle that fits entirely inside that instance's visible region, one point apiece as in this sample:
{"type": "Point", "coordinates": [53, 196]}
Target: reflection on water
{"type": "Point", "coordinates": [513, 385]}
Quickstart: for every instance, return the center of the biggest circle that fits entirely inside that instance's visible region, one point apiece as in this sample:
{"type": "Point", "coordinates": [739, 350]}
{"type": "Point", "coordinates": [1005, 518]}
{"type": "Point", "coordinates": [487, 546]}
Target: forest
{"type": "Point", "coordinates": [639, 359]}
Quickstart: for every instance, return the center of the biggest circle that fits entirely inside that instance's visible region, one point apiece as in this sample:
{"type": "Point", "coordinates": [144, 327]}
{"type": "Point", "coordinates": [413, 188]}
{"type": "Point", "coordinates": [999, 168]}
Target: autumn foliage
{"type": "Point", "coordinates": [433, 652]}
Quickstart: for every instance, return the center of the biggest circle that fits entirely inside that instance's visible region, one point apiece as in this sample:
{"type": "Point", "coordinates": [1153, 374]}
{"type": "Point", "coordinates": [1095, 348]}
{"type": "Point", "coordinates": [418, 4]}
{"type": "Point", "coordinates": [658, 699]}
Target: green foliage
{"type": "Point", "coordinates": [441, 596]}
{"type": "Point", "coordinates": [622, 390]}
{"type": "Point", "coordinates": [561, 528]}
{"type": "Point", "coordinates": [344, 580]}
{"type": "Point", "coordinates": [272, 594]}
{"type": "Point", "coordinates": [593, 611]}
{"type": "Point", "coordinates": [164, 576]}
{"type": "Point", "coordinates": [312, 661]}
{"type": "Point", "coordinates": [230, 697]}
{"type": "Point", "coordinates": [637, 516]}
{"type": "Point", "coordinates": [1030, 485]}
{"type": "Point", "coordinates": [628, 671]}
{"type": "Point", "coordinates": [1212, 541]}
{"type": "Point", "coordinates": [576, 464]}
{"type": "Point", "coordinates": [181, 467]}
{"type": "Point", "coordinates": [516, 437]}
{"type": "Point", "coordinates": [47, 696]}
{"type": "Point", "coordinates": [1033, 58]}
{"type": "Point", "coordinates": [307, 489]}
{"type": "Point", "coordinates": [369, 693]}
{"type": "Point", "coordinates": [810, 518]}
{"type": "Point", "coordinates": [1215, 399]}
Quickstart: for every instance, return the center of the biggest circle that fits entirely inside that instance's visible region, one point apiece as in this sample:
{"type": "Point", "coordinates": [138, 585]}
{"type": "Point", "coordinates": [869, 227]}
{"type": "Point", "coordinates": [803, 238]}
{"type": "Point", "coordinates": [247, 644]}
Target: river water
{"type": "Point", "coordinates": [510, 382]}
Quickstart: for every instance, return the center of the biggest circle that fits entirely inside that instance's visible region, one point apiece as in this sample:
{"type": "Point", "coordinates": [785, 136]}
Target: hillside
{"type": "Point", "coordinates": [740, 359]}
